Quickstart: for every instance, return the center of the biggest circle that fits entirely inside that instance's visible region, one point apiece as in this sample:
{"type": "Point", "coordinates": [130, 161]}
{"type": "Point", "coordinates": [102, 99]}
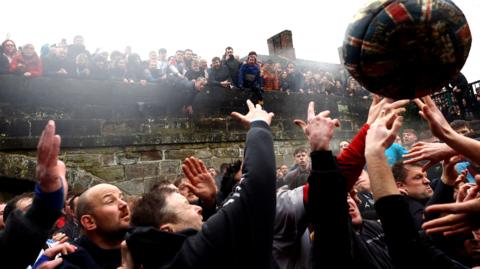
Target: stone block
{"type": "Point", "coordinates": [84, 160]}
{"type": "Point", "coordinates": [135, 187]}
{"type": "Point", "coordinates": [170, 167]}
{"type": "Point", "coordinates": [109, 173]}
{"type": "Point", "coordinates": [108, 159]}
{"type": "Point", "coordinates": [203, 154]}
{"type": "Point", "coordinates": [82, 183]}
{"type": "Point", "coordinates": [127, 157]}
{"type": "Point", "coordinates": [141, 170]}
{"type": "Point", "coordinates": [151, 155]}
{"type": "Point", "coordinates": [179, 154]}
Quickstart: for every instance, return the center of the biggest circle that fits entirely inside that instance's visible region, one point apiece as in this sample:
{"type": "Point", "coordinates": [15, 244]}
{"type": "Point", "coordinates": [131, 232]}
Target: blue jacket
{"type": "Point", "coordinates": [249, 76]}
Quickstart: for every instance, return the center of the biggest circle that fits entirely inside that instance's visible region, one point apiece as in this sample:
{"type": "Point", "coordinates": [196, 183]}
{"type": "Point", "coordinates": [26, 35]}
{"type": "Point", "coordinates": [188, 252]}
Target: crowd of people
{"type": "Point", "coordinates": [63, 60]}
{"type": "Point", "coordinates": [388, 199]}
{"type": "Point", "coordinates": [75, 61]}
{"type": "Point", "coordinates": [383, 201]}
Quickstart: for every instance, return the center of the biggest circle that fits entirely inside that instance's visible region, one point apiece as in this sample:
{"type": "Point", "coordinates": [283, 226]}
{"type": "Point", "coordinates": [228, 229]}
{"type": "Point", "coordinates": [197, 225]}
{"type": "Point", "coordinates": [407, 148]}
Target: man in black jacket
{"type": "Point", "coordinates": [344, 239]}
{"type": "Point", "coordinates": [239, 235]}
{"type": "Point", "coordinates": [25, 234]}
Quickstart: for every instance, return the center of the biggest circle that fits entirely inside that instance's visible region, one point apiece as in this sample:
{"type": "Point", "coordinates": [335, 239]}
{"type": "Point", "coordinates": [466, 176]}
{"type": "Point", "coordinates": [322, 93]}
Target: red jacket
{"type": "Point", "coordinates": [31, 64]}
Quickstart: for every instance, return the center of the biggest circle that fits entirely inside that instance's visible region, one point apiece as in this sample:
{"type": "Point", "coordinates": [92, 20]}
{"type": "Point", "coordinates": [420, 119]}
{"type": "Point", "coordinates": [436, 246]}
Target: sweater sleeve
{"type": "Point", "coordinates": [352, 159]}
{"type": "Point", "coordinates": [242, 231]}
{"type": "Point", "coordinates": [328, 199]}
{"type": "Point", "coordinates": [25, 234]}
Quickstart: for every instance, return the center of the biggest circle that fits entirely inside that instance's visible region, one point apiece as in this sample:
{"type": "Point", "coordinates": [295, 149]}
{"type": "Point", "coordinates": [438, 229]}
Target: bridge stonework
{"type": "Point", "coordinates": [134, 136]}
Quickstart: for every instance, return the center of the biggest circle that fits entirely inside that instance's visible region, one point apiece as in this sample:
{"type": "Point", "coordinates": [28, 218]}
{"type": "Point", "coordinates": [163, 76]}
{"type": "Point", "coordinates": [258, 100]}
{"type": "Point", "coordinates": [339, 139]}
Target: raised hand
{"type": "Point", "coordinates": [254, 113]}
{"type": "Point", "coordinates": [430, 112]}
{"type": "Point", "coordinates": [461, 218]}
{"type": "Point", "coordinates": [379, 104]}
{"type": "Point", "coordinates": [449, 174]}
{"type": "Point", "coordinates": [200, 182]}
{"type": "Point", "coordinates": [432, 152]}
{"type": "Point", "coordinates": [50, 171]}
{"type": "Point", "coordinates": [318, 129]}
{"type": "Point", "coordinates": [383, 131]}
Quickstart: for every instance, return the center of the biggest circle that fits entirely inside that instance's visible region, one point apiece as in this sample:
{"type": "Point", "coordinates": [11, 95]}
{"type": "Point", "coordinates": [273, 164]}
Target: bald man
{"type": "Point", "coordinates": [104, 216]}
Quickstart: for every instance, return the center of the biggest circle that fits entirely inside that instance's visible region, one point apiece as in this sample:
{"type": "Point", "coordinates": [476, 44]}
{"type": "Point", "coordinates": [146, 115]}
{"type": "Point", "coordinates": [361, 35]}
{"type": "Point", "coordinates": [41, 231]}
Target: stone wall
{"type": "Point", "coordinates": [134, 136]}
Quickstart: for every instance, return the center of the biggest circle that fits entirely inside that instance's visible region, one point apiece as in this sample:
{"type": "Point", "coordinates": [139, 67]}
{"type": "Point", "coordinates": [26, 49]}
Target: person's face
{"type": "Point", "coordinates": [302, 159]}
{"type": "Point", "coordinates": [251, 60]}
{"type": "Point", "coordinates": [28, 50]}
{"type": "Point", "coordinates": [284, 169]}
{"type": "Point", "coordinates": [416, 184]}
{"type": "Point", "coordinates": [195, 66]}
{"type": "Point", "coordinates": [153, 55]}
{"type": "Point", "coordinates": [216, 64]}
{"type": "Point", "coordinates": [354, 212]}
{"type": "Point", "coordinates": [9, 47]}
{"type": "Point", "coordinates": [229, 52]}
{"type": "Point", "coordinates": [179, 56]}
{"type": "Point", "coordinates": [343, 145]}
{"type": "Point", "coordinates": [188, 216]}
{"type": "Point", "coordinates": [409, 138]}
{"type": "Point", "coordinates": [203, 64]}
{"type": "Point", "coordinates": [279, 173]}
{"type": "Point", "coordinates": [212, 172]}
{"type": "Point", "coordinates": [109, 209]}
{"type": "Point", "coordinates": [188, 55]}
{"type": "Point", "coordinates": [463, 131]}
{"type": "Point", "coordinates": [78, 40]}
{"type": "Point", "coordinates": [162, 56]}
{"type": "Point", "coordinates": [2, 208]}
{"type": "Point", "coordinates": [290, 68]}
{"type": "Point", "coordinates": [363, 182]}
{"type": "Point", "coordinates": [200, 84]}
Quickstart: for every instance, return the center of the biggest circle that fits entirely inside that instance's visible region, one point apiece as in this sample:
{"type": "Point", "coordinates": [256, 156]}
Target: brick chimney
{"type": "Point", "coordinates": [281, 44]}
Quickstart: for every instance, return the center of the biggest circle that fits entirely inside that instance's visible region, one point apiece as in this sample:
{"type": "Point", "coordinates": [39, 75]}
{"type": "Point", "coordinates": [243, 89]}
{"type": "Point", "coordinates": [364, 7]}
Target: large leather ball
{"type": "Point", "coordinates": [405, 49]}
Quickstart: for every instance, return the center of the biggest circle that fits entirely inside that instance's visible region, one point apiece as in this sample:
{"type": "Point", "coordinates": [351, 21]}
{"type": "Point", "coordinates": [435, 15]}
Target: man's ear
{"type": "Point", "coordinates": [167, 227]}
{"type": "Point", "coordinates": [88, 222]}
{"type": "Point", "coordinates": [401, 187]}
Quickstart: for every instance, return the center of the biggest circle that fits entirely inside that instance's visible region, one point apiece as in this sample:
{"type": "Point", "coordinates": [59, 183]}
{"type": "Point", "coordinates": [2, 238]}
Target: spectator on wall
{"type": "Point", "coordinates": [27, 62]}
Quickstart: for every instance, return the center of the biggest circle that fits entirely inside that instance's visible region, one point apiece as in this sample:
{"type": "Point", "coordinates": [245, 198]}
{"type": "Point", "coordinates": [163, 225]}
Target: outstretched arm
{"type": "Point", "coordinates": [25, 235]}
{"type": "Point", "coordinates": [441, 129]}
{"type": "Point", "coordinates": [242, 230]}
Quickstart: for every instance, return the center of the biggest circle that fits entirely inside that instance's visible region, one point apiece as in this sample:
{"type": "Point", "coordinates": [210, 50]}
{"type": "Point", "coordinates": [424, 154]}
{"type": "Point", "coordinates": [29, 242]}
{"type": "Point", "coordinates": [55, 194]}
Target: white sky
{"type": "Point", "coordinates": [206, 26]}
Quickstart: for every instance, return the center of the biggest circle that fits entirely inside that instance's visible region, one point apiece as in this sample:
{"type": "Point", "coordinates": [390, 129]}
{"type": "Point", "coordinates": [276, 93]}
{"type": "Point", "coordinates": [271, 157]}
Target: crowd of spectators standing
{"type": "Point", "coordinates": [75, 61]}
{"type": "Point", "coordinates": [62, 60]}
